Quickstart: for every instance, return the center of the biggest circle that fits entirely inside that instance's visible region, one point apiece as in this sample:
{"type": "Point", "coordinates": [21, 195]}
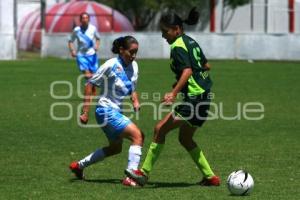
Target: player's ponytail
{"type": "Point", "coordinates": [193, 17]}
{"type": "Point", "coordinates": [123, 42]}
{"type": "Point", "coordinates": [171, 19]}
{"type": "Point", "coordinates": [117, 44]}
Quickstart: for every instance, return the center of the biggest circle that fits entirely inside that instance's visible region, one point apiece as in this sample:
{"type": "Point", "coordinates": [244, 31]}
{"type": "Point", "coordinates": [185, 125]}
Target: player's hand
{"type": "Point", "coordinates": [206, 67]}
{"type": "Point", "coordinates": [136, 106]}
{"type": "Point", "coordinates": [73, 53]}
{"type": "Point", "coordinates": [84, 118]}
{"type": "Point", "coordinates": [169, 98]}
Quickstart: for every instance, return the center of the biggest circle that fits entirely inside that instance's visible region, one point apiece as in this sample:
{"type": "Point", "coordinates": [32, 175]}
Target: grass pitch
{"type": "Point", "coordinates": [36, 150]}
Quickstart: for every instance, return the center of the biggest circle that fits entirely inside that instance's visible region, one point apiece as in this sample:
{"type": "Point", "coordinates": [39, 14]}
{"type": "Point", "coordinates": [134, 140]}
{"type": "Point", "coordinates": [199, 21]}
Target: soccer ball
{"type": "Point", "coordinates": [240, 182]}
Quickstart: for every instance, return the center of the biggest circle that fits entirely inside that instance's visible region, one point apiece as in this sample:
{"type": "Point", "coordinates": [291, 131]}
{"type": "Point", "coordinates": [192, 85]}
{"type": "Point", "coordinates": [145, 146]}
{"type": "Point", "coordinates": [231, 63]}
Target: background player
{"type": "Point", "coordinates": [86, 54]}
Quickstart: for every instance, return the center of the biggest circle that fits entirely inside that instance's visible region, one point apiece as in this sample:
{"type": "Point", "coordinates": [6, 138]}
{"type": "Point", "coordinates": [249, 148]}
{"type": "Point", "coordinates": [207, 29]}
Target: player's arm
{"type": "Point", "coordinates": [87, 97]}
{"type": "Point", "coordinates": [135, 101]}
{"type": "Point", "coordinates": [97, 45]}
{"type": "Point", "coordinates": [182, 59]}
{"type": "Point", "coordinates": [72, 49]}
{"type": "Point", "coordinates": [71, 44]}
{"type": "Point", "coordinates": [186, 74]}
{"type": "Point", "coordinates": [95, 80]}
{"type": "Point", "coordinates": [97, 36]}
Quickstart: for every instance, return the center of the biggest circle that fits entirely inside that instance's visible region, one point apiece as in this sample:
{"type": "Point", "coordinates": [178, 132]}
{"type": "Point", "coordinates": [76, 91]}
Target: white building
{"type": "Point", "coordinates": [7, 36]}
{"type": "Point", "coordinates": [10, 15]}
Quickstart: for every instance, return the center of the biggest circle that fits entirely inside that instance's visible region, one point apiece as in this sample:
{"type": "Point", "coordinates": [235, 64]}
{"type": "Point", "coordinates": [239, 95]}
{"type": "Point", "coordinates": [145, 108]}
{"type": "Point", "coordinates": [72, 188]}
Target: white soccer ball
{"type": "Point", "coordinates": [240, 182]}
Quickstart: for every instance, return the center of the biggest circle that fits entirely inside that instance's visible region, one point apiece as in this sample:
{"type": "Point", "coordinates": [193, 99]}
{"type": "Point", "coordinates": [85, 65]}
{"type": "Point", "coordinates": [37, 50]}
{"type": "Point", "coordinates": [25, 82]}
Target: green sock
{"type": "Point", "coordinates": [201, 162]}
{"type": "Point", "coordinates": [152, 156]}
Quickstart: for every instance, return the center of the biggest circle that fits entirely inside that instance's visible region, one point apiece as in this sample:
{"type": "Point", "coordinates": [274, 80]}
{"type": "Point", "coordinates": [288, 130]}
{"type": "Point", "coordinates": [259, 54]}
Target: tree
{"type": "Point", "coordinates": [228, 10]}
{"type": "Point", "coordinates": [146, 13]}
{"type": "Point", "coordinates": [142, 12]}
{"type": "Point", "coordinates": [139, 12]}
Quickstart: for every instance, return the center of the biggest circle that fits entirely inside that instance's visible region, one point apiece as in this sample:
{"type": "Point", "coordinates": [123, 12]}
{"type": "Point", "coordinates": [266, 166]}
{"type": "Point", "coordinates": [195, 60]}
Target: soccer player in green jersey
{"type": "Point", "coordinates": [192, 79]}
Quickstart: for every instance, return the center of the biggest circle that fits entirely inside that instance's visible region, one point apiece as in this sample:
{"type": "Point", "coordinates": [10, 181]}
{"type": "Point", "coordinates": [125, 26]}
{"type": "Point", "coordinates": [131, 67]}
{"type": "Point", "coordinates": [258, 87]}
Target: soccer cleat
{"type": "Point", "coordinates": [213, 181]}
{"type": "Point", "coordinates": [74, 167]}
{"type": "Point", "coordinates": [137, 175]}
{"type": "Point", "coordinates": [129, 182]}
{"type": "Point", "coordinates": [84, 118]}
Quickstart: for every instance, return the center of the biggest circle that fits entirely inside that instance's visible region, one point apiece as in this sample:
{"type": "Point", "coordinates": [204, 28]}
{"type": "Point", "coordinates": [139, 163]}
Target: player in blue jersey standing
{"type": "Point", "coordinates": [117, 79]}
{"type": "Point", "coordinates": [88, 42]}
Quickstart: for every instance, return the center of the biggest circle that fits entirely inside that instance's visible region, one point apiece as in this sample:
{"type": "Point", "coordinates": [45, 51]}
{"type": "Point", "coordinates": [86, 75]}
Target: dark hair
{"type": "Point", "coordinates": [83, 13]}
{"type": "Point", "coordinates": [171, 19]}
{"type": "Point", "coordinates": [124, 42]}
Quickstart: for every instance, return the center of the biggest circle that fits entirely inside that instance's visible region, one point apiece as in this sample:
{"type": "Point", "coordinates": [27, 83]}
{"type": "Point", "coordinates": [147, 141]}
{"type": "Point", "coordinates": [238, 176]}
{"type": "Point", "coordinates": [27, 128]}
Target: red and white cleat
{"type": "Point", "coordinates": [129, 182]}
{"type": "Point", "coordinates": [74, 167]}
{"type": "Point", "coordinates": [213, 181]}
{"type": "Point", "coordinates": [137, 175]}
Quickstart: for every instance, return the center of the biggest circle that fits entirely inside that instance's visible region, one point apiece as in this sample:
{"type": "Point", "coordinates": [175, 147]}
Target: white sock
{"type": "Point", "coordinates": [134, 157]}
{"type": "Point", "coordinates": [94, 157]}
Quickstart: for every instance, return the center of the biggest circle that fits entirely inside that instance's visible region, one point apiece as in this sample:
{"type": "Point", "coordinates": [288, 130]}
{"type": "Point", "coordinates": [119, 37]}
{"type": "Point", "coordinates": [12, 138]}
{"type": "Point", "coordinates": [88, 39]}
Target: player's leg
{"type": "Point", "coordinates": [114, 147]}
{"type": "Point", "coordinates": [133, 133]}
{"type": "Point", "coordinates": [93, 66]}
{"type": "Point", "coordinates": [160, 131]}
{"type": "Point", "coordinates": [162, 128]}
{"type": "Point", "coordinates": [186, 133]}
{"type": "Point", "coordinates": [117, 126]}
{"type": "Point", "coordinates": [89, 91]}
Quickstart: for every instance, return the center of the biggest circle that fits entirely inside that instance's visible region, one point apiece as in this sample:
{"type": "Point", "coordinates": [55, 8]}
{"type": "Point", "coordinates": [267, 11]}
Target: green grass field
{"type": "Point", "coordinates": [35, 150]}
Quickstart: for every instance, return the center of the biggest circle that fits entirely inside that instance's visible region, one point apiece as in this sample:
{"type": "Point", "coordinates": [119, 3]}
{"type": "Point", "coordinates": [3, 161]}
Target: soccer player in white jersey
{"type": "Point", "coordinates": [88, 42]}
{"type": "Point", "coordinates": [117, 79]}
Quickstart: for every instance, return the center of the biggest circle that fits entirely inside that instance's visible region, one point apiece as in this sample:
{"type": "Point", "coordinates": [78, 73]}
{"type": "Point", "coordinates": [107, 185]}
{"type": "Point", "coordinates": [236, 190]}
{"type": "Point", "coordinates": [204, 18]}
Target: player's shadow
{"type": "Point", "coordinates": [150, 185]}
{"type": "Point", "coordinates": [168, 185]}
{"type": "Point", "coordinates": [100, 181]}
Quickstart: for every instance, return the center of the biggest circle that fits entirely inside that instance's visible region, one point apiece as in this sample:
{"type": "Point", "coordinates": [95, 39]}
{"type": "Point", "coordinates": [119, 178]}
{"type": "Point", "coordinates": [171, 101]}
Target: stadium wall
{"type": "Point", "coordinates": [215, 46]}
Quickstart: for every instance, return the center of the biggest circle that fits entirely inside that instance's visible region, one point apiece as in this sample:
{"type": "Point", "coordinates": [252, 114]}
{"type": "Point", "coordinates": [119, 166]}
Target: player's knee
{"type": "Point", "coordinates": [88, 75]}
{"type": "Point", "coordinates": [138, 137]}
{"type": "Point", "coordinates": [185, 142]}
{"type": "Point", "coordinates": [159, 134]}
{"type": "Point", "coordinates": [143, 136]}
{"type": "Point", "coordinates": [113, 150]}
{"type": "Point", "coordinates": [116, 150]}
{"type": "Point", "coordinates": [158, 129]}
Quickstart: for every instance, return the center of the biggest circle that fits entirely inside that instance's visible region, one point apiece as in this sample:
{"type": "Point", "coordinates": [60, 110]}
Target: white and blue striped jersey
{"type": "Point", "coordinates": [116, 81]}
{"type": "Point", "coordinates": [85, 39]}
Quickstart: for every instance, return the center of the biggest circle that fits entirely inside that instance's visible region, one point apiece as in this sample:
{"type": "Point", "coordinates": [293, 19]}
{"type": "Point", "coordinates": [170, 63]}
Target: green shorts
{"type": "Point", "coordinates": [194, 109]}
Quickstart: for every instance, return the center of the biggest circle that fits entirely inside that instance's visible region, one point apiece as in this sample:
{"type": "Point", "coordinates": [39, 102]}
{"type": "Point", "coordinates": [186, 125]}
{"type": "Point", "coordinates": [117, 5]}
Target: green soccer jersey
{"type": "Point", "coordinates": [186, 53]}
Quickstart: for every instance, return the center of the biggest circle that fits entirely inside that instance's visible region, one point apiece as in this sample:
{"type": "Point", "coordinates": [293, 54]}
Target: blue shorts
{"type": "Point", "coordinates": [87, 63]}
{"type": "Point", "coordinates": [111, 121]}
